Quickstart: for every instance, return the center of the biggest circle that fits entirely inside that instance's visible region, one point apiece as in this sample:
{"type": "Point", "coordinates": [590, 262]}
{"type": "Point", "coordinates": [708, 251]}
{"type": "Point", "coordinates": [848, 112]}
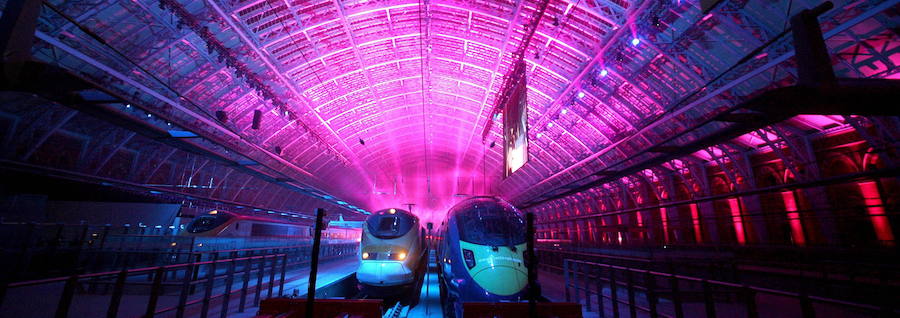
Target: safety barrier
{"type": "Point", "coordinates": [324, 308]}
{"type": "Point", "coordinates": [519, 310]}
{"type": "Point", "coordinates": [206, 277]}
{"type": "Point", "coordinates": [852, 275]}
{"type": "Point", "coordinates": [656, 294]}
{"type": "Point", "coordinates": [183, 276]}
{"type": "Point", "coordinates": [35, 251]}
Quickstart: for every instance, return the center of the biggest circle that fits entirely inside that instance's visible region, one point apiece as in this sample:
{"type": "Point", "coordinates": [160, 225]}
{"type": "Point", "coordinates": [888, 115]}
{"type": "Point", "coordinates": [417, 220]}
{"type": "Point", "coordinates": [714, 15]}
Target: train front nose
{"type": "Point", "coordinates": [384, 273]}
{"type": "Point", "coordinates": [498, 270]}
{"type": "Point", "coordinates": [502, 280]}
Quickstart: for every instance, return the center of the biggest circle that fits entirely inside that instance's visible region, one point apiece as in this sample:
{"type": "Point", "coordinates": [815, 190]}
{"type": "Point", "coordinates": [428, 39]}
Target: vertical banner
{"type": "Point", "coordinates": [515, 122]}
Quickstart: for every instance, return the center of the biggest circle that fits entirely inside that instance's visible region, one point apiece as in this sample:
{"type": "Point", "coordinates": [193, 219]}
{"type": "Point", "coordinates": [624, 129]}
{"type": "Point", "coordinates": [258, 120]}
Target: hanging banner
{"type": "Point", "coordinates": [515, 123]}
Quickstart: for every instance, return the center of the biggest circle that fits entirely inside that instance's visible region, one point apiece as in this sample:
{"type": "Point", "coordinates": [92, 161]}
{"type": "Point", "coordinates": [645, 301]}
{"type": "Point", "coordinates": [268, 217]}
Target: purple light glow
{"type": "Point", "coordinates": [365, 71]}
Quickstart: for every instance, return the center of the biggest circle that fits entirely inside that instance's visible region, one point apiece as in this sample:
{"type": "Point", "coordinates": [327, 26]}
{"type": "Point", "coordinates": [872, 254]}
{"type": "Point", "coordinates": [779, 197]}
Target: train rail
{"type": "Point", "coordinates": [397, 311]}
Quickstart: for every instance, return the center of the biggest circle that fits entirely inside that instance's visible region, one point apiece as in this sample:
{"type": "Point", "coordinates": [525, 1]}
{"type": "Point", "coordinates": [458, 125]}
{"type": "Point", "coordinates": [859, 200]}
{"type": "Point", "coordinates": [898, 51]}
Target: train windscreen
{"type": "Point", "coordinates": [390, 225]}
{"type": "Point", "coordinates": [205, 223]}
{"type": "Point", "coordinates": [492, 224]}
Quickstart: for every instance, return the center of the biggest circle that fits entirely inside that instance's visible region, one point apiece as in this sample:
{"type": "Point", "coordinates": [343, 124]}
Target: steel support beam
{"type": "Point", "coordinates": [17, 26]}
{"type": "Point", "coordinates": [813, 59]}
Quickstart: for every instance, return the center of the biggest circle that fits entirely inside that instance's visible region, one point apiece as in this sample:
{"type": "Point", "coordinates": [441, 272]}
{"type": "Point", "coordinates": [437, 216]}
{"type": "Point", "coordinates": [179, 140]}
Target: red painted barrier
{"type": "Point", "coordinates": [519, 310]}
{"type": "Point", "coordinates": [324, 308]}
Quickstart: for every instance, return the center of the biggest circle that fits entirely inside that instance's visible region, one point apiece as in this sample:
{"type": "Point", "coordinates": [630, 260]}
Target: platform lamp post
{"type": "Point", "coordinates": [314, 263]}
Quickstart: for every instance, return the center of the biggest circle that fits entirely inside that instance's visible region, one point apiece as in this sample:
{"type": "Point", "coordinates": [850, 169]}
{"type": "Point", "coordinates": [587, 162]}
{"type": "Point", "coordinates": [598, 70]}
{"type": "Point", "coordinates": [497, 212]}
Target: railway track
{"type": "Point", "coordinates": [398, 311]}
{"type": "Point", "coordinates": [399, 305]}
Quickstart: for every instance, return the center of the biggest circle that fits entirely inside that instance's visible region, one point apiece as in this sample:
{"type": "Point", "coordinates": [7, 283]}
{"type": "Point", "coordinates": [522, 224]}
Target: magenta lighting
{"type": "Point", "coordinates": [464, 136]}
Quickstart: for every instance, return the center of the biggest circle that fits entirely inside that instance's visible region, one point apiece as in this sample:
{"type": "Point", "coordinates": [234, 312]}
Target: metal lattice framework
{"type": "Point", "coordinates": [384, 102]}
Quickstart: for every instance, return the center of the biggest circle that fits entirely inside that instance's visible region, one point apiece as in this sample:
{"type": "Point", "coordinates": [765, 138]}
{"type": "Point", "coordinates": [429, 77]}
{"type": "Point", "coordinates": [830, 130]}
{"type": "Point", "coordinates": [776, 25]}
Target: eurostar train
{"type": "Point", "coordinates": [392, 253]}
{"type": "Point", "coordinates": [481, 254]}
{"type": "Point", "coordinates": [219, 223]}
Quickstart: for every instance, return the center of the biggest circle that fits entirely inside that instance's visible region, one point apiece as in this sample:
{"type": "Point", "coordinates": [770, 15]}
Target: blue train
{"type": "Point", "coordinates": [481, 254]}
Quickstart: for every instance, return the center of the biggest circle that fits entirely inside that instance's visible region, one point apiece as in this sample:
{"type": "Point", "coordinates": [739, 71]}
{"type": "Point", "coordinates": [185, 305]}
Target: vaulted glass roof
{"type": "Point", "coordinates": [383, 103]}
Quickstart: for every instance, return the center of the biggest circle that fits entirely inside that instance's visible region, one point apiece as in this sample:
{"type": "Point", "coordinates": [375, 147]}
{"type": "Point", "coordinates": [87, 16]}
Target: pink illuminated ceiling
{"type": "Point", "coordinates": [359, 65]}
{"type": "Point", "coordinates": [397, 93]}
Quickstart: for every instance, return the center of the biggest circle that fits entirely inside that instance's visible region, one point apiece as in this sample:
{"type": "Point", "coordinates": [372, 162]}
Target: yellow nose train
{"type": "Point", "coordinates": [392, 252]}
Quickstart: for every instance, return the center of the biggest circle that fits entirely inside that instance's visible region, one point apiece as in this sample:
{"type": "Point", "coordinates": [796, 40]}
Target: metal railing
{"type": "Point", "coordinates": [205, 278]}
{"type": "Point", "coordinates": [189, 278]}
{"type": "Point", "coordinates": [831, 271]}
{"type": "Point", "coordinates": [637, 292]}
{"type": "Point", "coordinates": [38, 251]}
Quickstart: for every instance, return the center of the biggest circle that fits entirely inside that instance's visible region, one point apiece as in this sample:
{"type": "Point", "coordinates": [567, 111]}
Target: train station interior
{"type": "Point", "coordinates": [449, 158]}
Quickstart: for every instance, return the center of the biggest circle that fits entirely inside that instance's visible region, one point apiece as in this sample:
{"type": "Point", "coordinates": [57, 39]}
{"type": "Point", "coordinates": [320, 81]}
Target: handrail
{"type": "Point", "coordinates": [197, 280]}
{"type": "Point", "coordinates": [572, 269]}
{"type": "Point", "coordinates": [133, 271]}
{"type": "Point", "coordinates": [263, 263]}
{"type": "Point", "coordinates": [96, 258]}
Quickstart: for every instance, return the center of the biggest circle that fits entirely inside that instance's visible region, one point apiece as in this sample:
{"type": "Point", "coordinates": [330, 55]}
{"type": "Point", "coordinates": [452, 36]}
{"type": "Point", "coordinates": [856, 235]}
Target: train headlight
{"type": "Point", "coordinates": [365, 255]}
{"type": "Point", "coordinates": [398, 256]}
{"type": "Point", "coordinates": [469, 257]}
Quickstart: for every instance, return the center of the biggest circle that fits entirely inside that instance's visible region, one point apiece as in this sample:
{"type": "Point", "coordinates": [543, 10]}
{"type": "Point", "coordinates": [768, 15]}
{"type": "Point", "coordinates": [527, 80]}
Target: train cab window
{"type": "Point", "coordinates": [205, 223]}
{"type": "Point", "coordinates": [390, 226]}
{"type": "Point", "coordinates": [491, 224]}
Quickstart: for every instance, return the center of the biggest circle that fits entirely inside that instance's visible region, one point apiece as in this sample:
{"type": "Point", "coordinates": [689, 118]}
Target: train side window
{"type": "Point", "coordinates": [237, 226]}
